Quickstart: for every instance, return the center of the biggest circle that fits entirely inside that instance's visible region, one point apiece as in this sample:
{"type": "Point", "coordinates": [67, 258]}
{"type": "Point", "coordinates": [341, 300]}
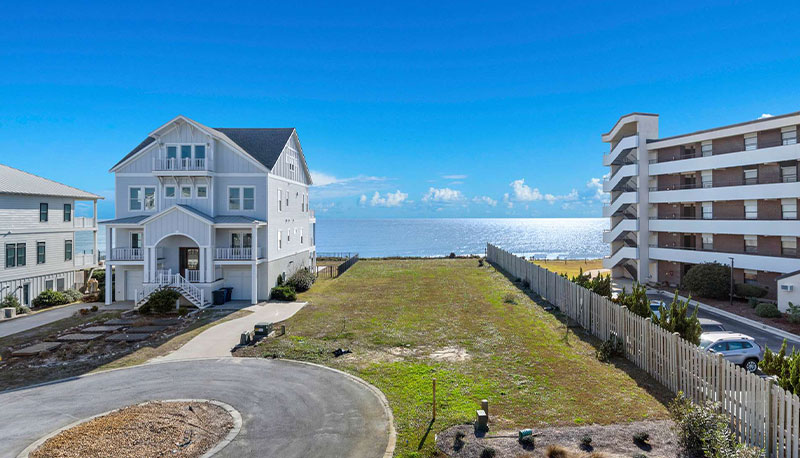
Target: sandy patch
{"type": "Point", "coordinates": [452, 354]}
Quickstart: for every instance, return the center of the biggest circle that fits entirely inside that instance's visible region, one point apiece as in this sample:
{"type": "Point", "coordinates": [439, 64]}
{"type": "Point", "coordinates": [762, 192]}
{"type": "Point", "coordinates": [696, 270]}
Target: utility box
{"type": "Point", "coordinates": [262, 329]}
{"type": "Point", "coordinates": [246, 338]}
{"type": "Point", "coordinates": [9, 312]}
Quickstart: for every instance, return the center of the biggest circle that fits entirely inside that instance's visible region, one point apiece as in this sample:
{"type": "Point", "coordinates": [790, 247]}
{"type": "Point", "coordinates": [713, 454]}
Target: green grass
{"type": "Point", "coordinates": [571, 267]}
{"type": "Point", "coordinates": [394, 313]}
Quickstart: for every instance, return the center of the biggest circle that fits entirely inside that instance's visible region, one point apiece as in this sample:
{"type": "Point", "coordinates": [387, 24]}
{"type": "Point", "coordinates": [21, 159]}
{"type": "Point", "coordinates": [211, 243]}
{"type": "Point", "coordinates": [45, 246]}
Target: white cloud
{"type": "Point", "coordinates": [596, 185]}
{"type": "Point", "coordinates": [486, 200]}
{"type": "Point", "coordinates": [454, 177]}
{"type": "Point", "coordinates": [327, 186]}
{"type": "Point", "coordinates": [323, 179]}
{"type": "Point", "coordinates": [765, 115]}
{"type": "Point", "coordinates": [523, 192]}
{"type": "Point", "coordinates": [363, 200]}
{"type": "Point", "coordinates": [391, 199]}
{"type": "Point", "coordinates": [442, 195]}
{"type": "Point", "coordinates": [507, 201]}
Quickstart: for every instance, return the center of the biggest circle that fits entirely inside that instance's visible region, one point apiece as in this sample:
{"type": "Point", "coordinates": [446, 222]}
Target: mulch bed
{"type": "Point", "coordinates": [179, 429]}
{"type": "Point", "coordinates": [608, 440]}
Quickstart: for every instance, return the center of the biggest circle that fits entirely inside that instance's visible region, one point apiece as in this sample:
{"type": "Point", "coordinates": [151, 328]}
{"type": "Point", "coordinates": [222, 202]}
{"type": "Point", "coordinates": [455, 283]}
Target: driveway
{"type": "Point", "coordinates": [288, 409]}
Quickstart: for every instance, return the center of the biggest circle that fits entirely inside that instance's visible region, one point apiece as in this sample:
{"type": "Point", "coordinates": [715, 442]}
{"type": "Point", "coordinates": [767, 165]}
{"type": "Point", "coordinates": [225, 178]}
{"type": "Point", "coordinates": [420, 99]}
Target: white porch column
{"type": "Point", "coordinates": [203, 258]}
{"type": "Point", "coordinates": [254, 283]}
{"type": "Point", "coordinates": [254, 242]}
{"type": "Point", "coordinates": [109, 242]}
{"type": "Point", "coordinates": [95, 253]}
{"type": "Point", "coordinates": [153, 262]}
{"type": "Point", "coordinates": [146, 258]}
{"type": "Point", "coordinates": [109, 283]}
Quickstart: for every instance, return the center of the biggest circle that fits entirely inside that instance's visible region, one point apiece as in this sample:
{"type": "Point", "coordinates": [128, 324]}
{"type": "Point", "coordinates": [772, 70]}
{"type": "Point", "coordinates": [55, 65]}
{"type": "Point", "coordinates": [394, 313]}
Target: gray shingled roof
{"type": "Point", "coordinates": [127, 220]}
{"type": "Point", "coordinates": [264, 144]}
{"type": "Point", "coordinates": [223, 219]}
{"type": "Point", "coordinates": [13, 181]}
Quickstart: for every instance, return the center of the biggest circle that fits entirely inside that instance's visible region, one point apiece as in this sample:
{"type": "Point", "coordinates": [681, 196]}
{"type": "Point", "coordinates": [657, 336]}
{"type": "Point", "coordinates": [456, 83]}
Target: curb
{"type": "Point", "coordinates": [752, 323]}
{"type": "Point", "coordinates": [235, 415]}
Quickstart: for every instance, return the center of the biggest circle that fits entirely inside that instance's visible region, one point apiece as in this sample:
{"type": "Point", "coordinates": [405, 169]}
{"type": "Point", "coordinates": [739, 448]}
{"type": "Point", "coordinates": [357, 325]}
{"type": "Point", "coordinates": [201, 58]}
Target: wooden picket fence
{"type": "Point", "coordinates": [762, 414]}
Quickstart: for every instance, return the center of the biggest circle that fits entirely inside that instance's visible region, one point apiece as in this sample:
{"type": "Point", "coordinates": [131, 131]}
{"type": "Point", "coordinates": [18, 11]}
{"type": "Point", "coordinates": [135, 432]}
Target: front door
{"type": "Point", "coordinates": [190, 259]}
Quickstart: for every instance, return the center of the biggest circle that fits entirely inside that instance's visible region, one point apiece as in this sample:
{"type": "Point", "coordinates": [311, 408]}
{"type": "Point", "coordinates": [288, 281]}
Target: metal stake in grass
{"type": "Point", "coordinates": [434, 399]}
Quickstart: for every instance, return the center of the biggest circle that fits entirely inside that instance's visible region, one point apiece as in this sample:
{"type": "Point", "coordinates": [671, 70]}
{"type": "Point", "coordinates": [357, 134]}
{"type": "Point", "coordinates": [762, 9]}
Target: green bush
{"type": "Point", "coordinates": [711, 279]}
{"type": "Point", "coordinates": [637, 301]}
{"type": "Point", "coordinates": [49, 298]}
{"type": "Point", "coordinates": [610, 348]}
{"type": "Point", "coordinates": [301, 280]}
{"type": "Point", "coordinates": [488, 452]}
{"type": "Point", "coordinates": [283, 293]}
{"type": "Point", "coordinates": [600, 284]}
{"type": "Point", "coordinates": [677, 319]}
{"type": "Point", "coordinates": [752, 302]}
{"type": "Point", "coordinates": [785, 367]}
{"type": "Point", "coordinates": [745, 290]}
{"type": "Point", "coordinates": [768, 310]}
{"type": "Point", "coordinates": [793, 314]}
{"type": "Point", "coordinates": [586, 441]}
{"type": "Point", "coordinates": [702, 431]}
{"type": "Point", "coordinates": [73, 295]}
{"type": "Point", "coordinates": [161, 301]}
{"type": "Point", "coordinates": [641, 437]}
{"type": "Point", "coordinates": [10, 301]}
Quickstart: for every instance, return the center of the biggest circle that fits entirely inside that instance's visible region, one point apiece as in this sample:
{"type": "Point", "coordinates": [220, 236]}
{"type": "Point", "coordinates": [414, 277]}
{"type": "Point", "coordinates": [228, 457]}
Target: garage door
{"type": "Point", "coordinates": [239, 280]}
{"type": "Point", "coordinates": [133, 282]}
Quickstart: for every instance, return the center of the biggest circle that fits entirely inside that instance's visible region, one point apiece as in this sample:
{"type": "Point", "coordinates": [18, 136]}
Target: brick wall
{"type": "Point", "coordinates": [769, 245]}
{"type": "Point", "coordinates": [769, 138]}
{"type": "Point", "coordinates": [669, 154]}
{"type": "Point", "coordinates": [668, 210]}
{"type": "Point", "coordinates": [729, 243]}
{"type": "Point", "coordinates": [669, 181]}
{"type": "Point", "coordinates": [769, 209]}
{"type": "Point", "coordinates": [727, 177]}
{"type": "Point", "coordinates": [727, 145]}
{"type": "Point", "coordinates": [730, 209]}
{"type": "Point", "coordinates": [769, 173]}
{"type": "Point", "coordinates": [669, 272]}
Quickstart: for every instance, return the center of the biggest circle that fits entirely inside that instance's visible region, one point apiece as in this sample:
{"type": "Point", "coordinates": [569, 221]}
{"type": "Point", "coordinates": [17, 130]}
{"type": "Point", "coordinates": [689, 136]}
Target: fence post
{"type": "Point", "coordinates": [676, 339]}
{"type": "Point", "coordinates": [646, 344]}
{"type": "Point", "coordinates": [720, 379]}
{"type": "Point", "coordinates": [768, 441]}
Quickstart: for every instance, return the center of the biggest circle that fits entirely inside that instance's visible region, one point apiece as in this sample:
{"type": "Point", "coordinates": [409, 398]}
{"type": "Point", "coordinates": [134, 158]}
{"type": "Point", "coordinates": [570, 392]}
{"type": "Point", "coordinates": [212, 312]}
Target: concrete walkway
{"type": "Point", "coordinates": [218, 340]}
{"type": "Point", "coordinates": [288, 409]}
{"type": "Point", "coordinates": [34, 320]}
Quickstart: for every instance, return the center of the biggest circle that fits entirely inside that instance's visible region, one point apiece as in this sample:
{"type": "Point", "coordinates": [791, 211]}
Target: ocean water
{"type": "Point", "coordinates": [565, 238]}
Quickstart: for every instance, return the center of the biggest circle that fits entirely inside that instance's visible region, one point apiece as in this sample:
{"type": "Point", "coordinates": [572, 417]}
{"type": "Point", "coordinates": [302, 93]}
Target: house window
{"type": "Point", "coordinates": [789, 135]}
{"type": "Point", "coordinates": [287, 200]}
{"type": "Point", "coordinates": [288, 235]}
{"type": "Point", "coordinates": [11, 255]}
{"type": "Point", "coordinates": [48, 284]}
{"type": "Point", "coordinates": [750, 209]}
{"type": "Point", "coordinates": [708, 242]}
{"type": "Point", "coordinates": [789, 246]}
{"type": "Point", "coordinates": [750, 243]}
{"type": "Point", "coordinates": [21, 255]}
{"type": "Point", "coordinates": [750, 141]}
{"type": "Point", "coordinates": [40, 253]}
{"type": "Point", "coordinates": [291, 161]}
{"type": "Point", "coordinates": [751, 176]}
{"type": "Point", "coordinates": [707, 178]}
{"type": "Point", "coordinates": [707, 210]}
{"type": "Point", "coordinates": [280, 200]}
{"type": "Point", "coordinates": [241, 240]}
{"type": "Point", "coordinates": [136, 240]}
{"type": "Point", "coordinates": [67, 250]}
{"type": "Point", "coordinates": [789, 208]}
{"type": "Point", "coordinates": [42, 213]}
{"type": "Point", "coordinates": [241, 198]}
{"type": "Point", "coordinates": [202, 192]}
{"type": "Point", "coordinates": [186, 192]}
{"type": "Point", "coordinates": [789, 174]}
{"type": "Point", "coordinates": [280, 240]}
{"type": "Point", "coordinates": [60, 284]}
{"type": "Point", "coordinates": [169, 192]}
{"type": "Point", "coordinates": [142, 198]}
{"type": "Point", "coordinates": [172, 152]}
{"type": "Point", "coordinates": [301, 236]}
{"type": "Point", "coordinates": [186, 154]}
{"type": "Point", "coordinates": [199, 153]}
{"type": "Point", "coordinates": [67, 212]}
{"type": "Point", "coordinates": [750, 277]}
{"type": "Point", "coordinates": [705, 148]}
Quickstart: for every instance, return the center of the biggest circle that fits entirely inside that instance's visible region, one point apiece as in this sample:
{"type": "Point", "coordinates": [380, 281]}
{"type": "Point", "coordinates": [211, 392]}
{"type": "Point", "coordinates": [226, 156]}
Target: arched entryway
{"type": "Point", "coordinates": [179, 254]}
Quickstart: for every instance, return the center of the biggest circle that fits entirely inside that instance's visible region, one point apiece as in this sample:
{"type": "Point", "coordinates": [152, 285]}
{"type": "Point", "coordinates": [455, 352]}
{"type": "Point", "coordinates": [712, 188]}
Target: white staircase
{"type": "Point", "coordinates": [165, 279]}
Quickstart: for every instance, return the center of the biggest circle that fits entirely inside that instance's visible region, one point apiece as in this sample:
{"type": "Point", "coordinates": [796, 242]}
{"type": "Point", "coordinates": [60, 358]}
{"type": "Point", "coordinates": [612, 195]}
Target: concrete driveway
{"type": "Point", "coordinates": [288, 409]}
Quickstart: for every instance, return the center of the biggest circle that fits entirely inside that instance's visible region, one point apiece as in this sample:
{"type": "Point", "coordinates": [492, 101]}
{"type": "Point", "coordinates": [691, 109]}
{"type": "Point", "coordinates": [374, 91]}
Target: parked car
{"type": "Point", "coordinates": [737, 348]}
{"type": "Point", "coordinates": [709, 325]}
{"type": "Point", "coordinates": [654, 307]}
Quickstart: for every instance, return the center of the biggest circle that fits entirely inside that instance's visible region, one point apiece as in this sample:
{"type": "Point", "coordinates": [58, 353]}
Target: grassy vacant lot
{"type": "Point", "coordinates": [409, 321]}
{"type": "Point", "coordinates": [570, 267]}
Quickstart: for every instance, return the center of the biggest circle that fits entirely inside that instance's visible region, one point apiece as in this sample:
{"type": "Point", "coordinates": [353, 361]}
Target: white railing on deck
{"type": "Point", "coordinates": [83, 259]}
{"type": "Point", "coordinates": [127, 254]}
{"type": "Point", "coordinates": [166, 279]}
{"type": "Point", "coordinates": [193, 275]}
{"type": "Point", "coordinates": [238, 253]}
{"type": "Point", "coordinates": [762, 413]}
{"type": "Point", "coordinates": [83, 222]}
{"type": "Point", "coordinates": [177, 164]}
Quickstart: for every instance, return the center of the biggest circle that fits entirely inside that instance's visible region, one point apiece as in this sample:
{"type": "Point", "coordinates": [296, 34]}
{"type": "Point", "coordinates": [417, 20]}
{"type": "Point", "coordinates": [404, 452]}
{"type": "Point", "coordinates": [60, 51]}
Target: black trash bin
{"type": "Point", "coordinates": [219, 296]}
{"type": "Point", "coordinates": [228, 293]}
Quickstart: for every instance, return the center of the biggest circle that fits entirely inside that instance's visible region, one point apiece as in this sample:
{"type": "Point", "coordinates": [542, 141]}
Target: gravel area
{"type": "Point", "coordinates": [179, 429]}
{"type": "Point", "coordinates": [609, 441]}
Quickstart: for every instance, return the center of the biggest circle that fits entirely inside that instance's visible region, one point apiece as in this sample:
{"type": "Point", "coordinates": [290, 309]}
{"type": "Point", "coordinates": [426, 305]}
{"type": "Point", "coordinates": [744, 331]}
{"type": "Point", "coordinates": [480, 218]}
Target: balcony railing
{"type": "Point", "coordinates": [83, 222]}
{"type": "Point", "coordinates": [127, 254]}
{"type": "Point", "coordinates": [180, 164]}
{"type": "Point", "coordinates": [696, 153]}
{"type": "Point", "coordinates": [718, 218]}
{"type": "Point", "coordinates": [238, 253]}
{"type": "Point", "coordinates": [192, 276]}
{"type": "Point", "coordinates": [725, 183]}
{"type": "Point", "coordinates": [785, 253]}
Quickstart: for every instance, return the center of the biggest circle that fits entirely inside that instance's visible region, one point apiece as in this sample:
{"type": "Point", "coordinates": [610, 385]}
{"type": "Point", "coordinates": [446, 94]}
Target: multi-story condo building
{"type": "Point", "coordinates": [727, 194]}
{"type": "Point", "coordinates": [37, 234]}
{"type": "Point", "coordinates": [200, 208]}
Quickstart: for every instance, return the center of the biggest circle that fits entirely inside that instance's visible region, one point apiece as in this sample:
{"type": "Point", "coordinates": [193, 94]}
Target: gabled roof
{"type": "Point", "coordinates": [128, 220]}
{"type": "Point", "coordinates": [264, 145]}
{"type": "Point", "coordinates": [14, 181]}
{"type": "Point", "coordinates": [180, 207]}
{"type": "Point", "coordinates": [222, 219]}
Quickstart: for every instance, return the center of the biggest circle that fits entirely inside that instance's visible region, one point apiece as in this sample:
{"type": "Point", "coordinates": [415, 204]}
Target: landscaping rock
{"type": "Point", "coordinates": [94, 329]}
{"type": "Point", "coordinates": [35, 349]}
{"type": "Point", "coordinates": [78, 337]}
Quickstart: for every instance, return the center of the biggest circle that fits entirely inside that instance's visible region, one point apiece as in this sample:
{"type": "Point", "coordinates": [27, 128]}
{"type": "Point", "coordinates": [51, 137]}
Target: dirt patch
{"type": "Point", "coordinates": [181, 429]}
{"type": "Point", "coordinates": [609, 440]}
{"type": "Point", "coordinates": [452, 354]}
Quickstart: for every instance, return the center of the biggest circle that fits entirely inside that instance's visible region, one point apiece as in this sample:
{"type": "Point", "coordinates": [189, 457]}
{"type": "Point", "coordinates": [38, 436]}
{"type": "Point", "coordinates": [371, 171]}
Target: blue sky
{"type": "Point", "coordinates": [409, 109]}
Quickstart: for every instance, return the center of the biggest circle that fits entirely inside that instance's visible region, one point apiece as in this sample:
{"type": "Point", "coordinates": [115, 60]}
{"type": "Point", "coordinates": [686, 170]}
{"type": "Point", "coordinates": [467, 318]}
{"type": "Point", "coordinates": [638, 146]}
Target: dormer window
{"type": "Point", "coordinates": [184, 157]}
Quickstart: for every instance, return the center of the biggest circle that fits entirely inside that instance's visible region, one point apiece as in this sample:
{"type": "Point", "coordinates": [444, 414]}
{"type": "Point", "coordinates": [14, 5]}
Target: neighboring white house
{"type": "Point", "coordinates": [200, 208]}
{"type": "Point", "coordinates": [788, 290]}
{"type": "Point", "coordinates": [37, 234]}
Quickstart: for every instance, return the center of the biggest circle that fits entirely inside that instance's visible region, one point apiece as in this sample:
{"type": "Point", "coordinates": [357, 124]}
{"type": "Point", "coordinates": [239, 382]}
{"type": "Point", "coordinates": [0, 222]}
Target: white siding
{"type": "Point", "coordinates": [288, 220]}
{"type": "Point", "coordinates": [226, 160]}
{"type": "Point", "coordinates": [176, 222]}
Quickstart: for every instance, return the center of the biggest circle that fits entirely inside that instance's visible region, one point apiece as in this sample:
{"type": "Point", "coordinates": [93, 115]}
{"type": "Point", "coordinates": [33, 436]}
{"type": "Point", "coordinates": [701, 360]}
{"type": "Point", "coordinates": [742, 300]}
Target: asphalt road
{"type": "Point", "coordinates": [761, 336]}
{"type": "Point", "coordinates": [288, 409]}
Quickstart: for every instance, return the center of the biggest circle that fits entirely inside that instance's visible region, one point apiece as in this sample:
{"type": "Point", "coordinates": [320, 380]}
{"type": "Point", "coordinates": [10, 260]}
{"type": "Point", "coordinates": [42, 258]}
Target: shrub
{"type": "Point", "coordinates": [710, 279]}
{"type": "Point", "coordinates": [785, 368]}
{"type": "Point", "coordinates": [284, 293]}
{"type": "Point", "coordinates": [526, 284]}
{"type": "Point", "coordinates": [301, 280]}
{"type": "Point", "coordinates": [677, 319]}
{"type": "Point", "coordinates": [83, 312]}
{"type": "Point", "coordinates": [637, 301]}
{"type": "Point", "coordinates": [609, 349]}
{"type": "Point", "coordinates": [752, 302]}
{"type": "Point", "coordinates": [458, 440]}
{"type": "Point", "coordinates": [600, 284]}
{"type": "Point", "coordinates": [488, 452]}
{"type": "Point", "coordinates": [94, 308]}
{"type": "Point", "coordinates": [480, 262]}
{"type": "Point", "coordinates": [510, 299]}
{"type": "Point", "coordinates": [452, 255]}
{"type": "Point", "coordinates": [793, 313]}
{"type": "Point", "coordinates": [702, 431]}
{"type": "Point", "coordinates": [556, 451]}
{"type": "Point", "coordinates": [527, 441]}
{"type": "Point", "coordinates": [73, 295]}
{"type": "Point", "coordinates": [586, 441]}
{"type": "Point", "coordinates": [160, 301]}
{"type": "Point", "coordinates": [768, 310]}
{"type": "Point", "coordinates": [21, 310]}
{"type": "Point", "coordinates": [641, 437]}
{"type": "Point", "coordinates": [10, 301]}
{"type": "Point", "coordinates": [49, 298]}
{"type": "Point", "coordinates": [745, 290]}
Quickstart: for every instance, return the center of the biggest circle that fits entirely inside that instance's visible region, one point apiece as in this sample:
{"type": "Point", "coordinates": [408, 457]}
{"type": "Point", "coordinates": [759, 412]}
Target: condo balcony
{"type": "Point", "coordinates": [619, 179]}
{"type": "Point", "coordinates": [621, 255]}
{"type": "Point", "coordinates": [768, 147]}
{"type": "Point", "coordinates": [182, 166]}
{"type": "Point", "coordinates": [620, 229]}
{"type": "Point", "coordinates": [720, 225]}
{"type": "Point", "coordinates": [733, 190]}
{"type": "Point", "coordinates": [619, 204]}
{"type": "Point", "coordinates": [623, 146]}
{"type": "Point", "coordinates": [698, 255]}
{"type": "Point", "coordinates": [238, 253]}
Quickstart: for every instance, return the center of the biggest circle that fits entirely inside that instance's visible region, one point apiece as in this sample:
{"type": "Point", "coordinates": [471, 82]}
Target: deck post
{"type": "Point", "coordinates": [254, 283]}
{"type": "Point", "coordinates": [109, 283]}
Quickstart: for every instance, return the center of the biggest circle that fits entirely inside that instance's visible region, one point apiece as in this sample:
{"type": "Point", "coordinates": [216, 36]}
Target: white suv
{"type": "Point", "coordinates": [737, 348]}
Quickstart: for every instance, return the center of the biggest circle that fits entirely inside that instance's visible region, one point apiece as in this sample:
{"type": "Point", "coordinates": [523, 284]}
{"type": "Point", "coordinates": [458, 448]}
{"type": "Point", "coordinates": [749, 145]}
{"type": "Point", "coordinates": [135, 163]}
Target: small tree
{"type": "Point", "coordinates": [677, 319]}
{"type": "Point", "coordinates": [710, 279]}
{"type": "Point", "coordinates": [10, 301]}
{"type": "Point", "coordinates": [637, 301]}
